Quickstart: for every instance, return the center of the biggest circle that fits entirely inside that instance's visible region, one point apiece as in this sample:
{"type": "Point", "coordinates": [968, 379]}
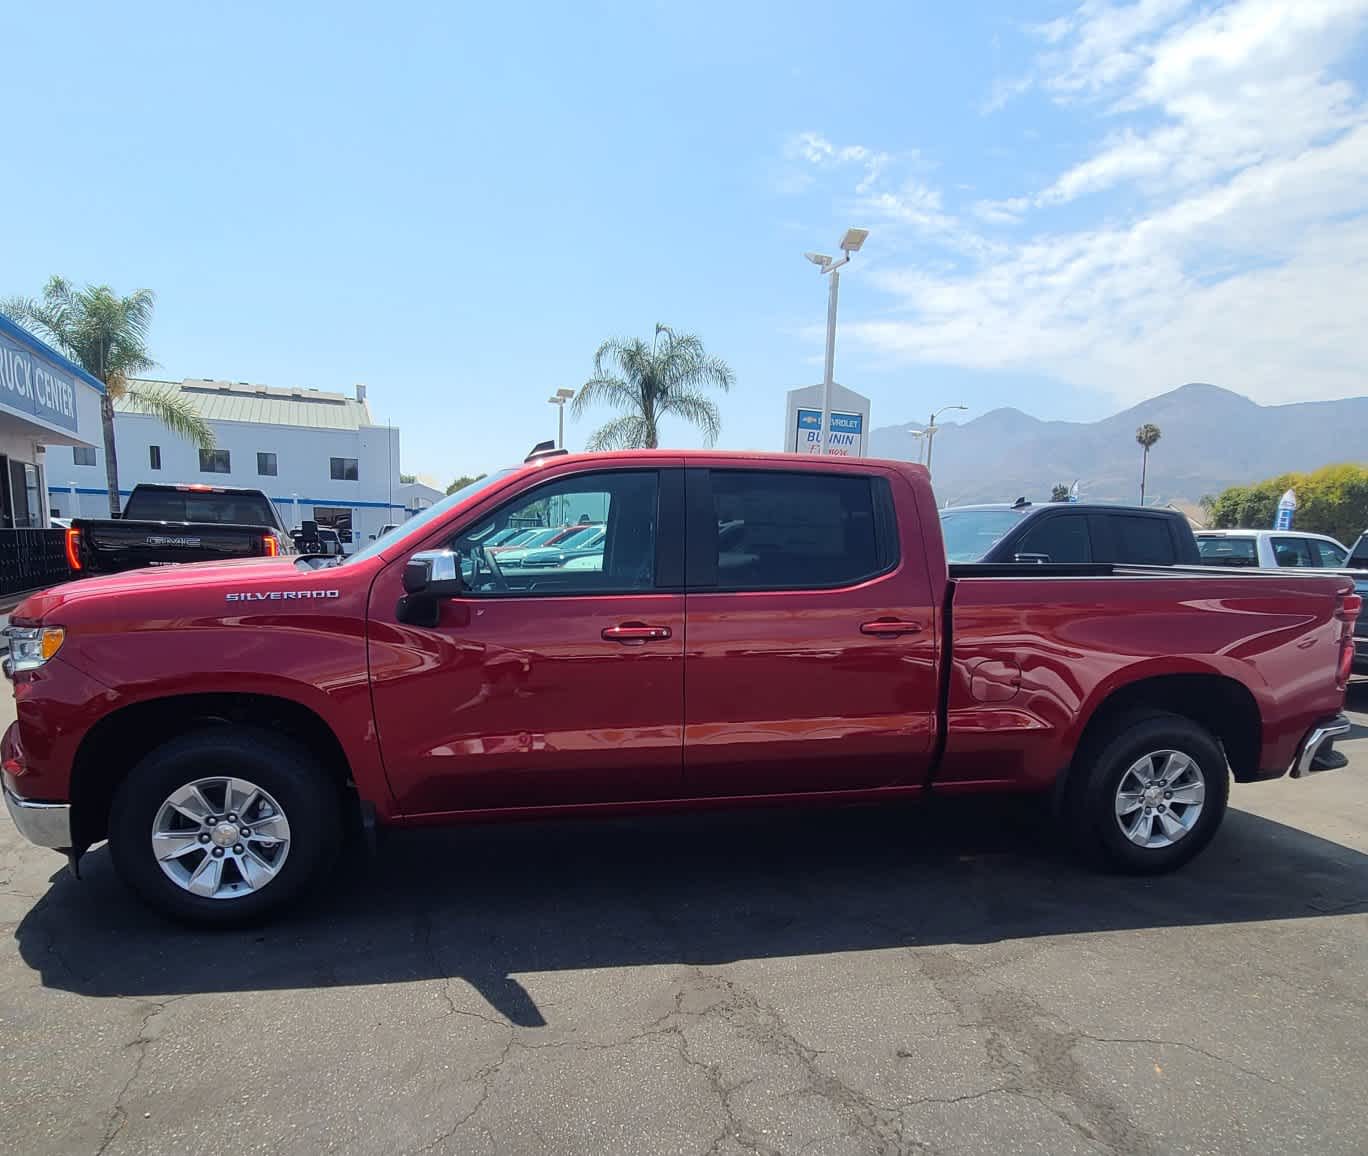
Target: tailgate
{"type": "Point", "coordinates": [121, 545]}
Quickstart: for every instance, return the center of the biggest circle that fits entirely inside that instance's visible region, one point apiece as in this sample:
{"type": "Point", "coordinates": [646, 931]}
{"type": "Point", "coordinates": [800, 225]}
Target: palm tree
{"type": "Point", "coordinates": [1060, 493]}
{"type": "Point", "coordinates": [107, 336]}
{"type": "Point", "coordinates": [650, 382]}
{"type": "Point", "coordinates": [1146, 435]}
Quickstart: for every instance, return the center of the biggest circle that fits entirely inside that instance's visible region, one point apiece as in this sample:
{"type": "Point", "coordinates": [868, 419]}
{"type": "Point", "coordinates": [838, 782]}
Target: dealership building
{"type": "Point", "coordinates": [318, 455]}
{"type": "Point", "coordinates": [45, 401]}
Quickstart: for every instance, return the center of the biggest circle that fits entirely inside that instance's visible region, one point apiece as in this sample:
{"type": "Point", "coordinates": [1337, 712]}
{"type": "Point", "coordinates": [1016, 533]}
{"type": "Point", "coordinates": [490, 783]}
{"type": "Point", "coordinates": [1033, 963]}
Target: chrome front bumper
{"type": "Point", "coordinates": [43, 824]}
{"type": "Point", "coordinates": [1317, 743]}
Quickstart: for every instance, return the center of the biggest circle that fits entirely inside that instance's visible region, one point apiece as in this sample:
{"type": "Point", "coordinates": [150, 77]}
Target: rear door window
{"type": "Point", "coordinates": [1292, 552]}
{"type": "Point", "coordinates": [1328, 554]}
{"type": "Point", "coordinates": [780, 530]}
{"type": "Point", "coordinates": [1136, 539]}
{"type": "Point", "coordinates": [1057, 538]}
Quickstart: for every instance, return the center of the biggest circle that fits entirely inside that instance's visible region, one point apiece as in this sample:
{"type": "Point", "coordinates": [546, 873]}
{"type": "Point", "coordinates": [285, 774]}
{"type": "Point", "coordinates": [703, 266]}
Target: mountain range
{"type": "Point", "coordinates": [1212, 438]}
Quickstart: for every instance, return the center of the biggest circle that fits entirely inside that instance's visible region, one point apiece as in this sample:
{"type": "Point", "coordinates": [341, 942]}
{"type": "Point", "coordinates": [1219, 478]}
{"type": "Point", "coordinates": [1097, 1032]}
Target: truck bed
{"type": "Point", "coordinates": [1031, 650]}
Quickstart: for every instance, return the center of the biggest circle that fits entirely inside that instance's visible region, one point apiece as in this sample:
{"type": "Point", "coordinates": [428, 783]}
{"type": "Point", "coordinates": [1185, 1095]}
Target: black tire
{"type": "Point", "coordinates": [304, 791]}
{"type": "Point", "coordinates": [1097, 773]}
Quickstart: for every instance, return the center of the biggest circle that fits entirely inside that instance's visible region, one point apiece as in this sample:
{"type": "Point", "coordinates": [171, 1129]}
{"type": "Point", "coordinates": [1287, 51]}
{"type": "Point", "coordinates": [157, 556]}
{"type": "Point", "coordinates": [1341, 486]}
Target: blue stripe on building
{"type": "Point", "coordinates": [60, 490]}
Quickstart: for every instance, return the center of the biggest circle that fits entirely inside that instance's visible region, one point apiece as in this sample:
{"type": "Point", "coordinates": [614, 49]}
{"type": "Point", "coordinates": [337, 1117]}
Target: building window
{"type": "Point", "coordinates": [215, 462]}
{"type": "Point", "coordinates": [266, 465]}
{"type": "Point", "coordinates": [154, 457]}
{"type": "Point", "coordinates": [335, 518]}
{"type": "Point", "coordinates": [82, 456]}
{"type": "Point", "coordinates": [343, 469]}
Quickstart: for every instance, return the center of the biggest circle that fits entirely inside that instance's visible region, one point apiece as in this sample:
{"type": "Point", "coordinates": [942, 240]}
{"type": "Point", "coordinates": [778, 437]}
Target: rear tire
{"type": "Point", "coordinates": [178, 842]}
{"type": "Point", "coordinates": [1148, 793]}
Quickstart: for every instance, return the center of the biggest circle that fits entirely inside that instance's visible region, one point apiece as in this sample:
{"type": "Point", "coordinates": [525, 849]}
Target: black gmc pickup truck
{"type": "Point", "coordinates": [164, 524]}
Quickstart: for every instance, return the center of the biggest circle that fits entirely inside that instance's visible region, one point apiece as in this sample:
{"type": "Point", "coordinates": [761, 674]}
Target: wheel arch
{"type": "Point", "coordinates": [1221, 704]}
{"type": "Point", "coordinates": [122, 738]}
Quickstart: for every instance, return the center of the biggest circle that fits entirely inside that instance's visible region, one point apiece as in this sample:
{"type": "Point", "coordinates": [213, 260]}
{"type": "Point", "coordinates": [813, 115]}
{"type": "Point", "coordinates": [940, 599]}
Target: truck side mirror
{"type": "Point", "coordinates": [433, 573]}
{"type": "Point", "coordinates": [429, 576]}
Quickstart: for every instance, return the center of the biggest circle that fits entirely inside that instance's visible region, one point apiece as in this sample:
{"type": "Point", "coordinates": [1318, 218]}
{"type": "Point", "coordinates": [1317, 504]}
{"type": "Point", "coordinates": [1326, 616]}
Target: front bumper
{"type": "Point", "coordinates": [43, 824]}
{"type": "Point", "coordinates": [1316, 752]}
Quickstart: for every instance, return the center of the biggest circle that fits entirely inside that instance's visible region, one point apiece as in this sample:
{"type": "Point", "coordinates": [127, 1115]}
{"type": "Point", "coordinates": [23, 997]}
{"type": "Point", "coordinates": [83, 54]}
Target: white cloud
{"type": "Point", "coordinates": [817, 152]}
{"type": "Point", "coordinates": [1107, 42]}
{"type": "Point", "coordinates": [1231, 178]}
{"type": "Point", "coordinates": [1004, 212]}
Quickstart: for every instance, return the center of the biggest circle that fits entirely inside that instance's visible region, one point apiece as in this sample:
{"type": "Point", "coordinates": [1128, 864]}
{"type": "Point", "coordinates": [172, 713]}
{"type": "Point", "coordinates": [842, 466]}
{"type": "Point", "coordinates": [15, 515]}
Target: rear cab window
{"type": "Point", "coordinates": [203, 506]}
{"type": "Point", "coordinates": [788, 530]}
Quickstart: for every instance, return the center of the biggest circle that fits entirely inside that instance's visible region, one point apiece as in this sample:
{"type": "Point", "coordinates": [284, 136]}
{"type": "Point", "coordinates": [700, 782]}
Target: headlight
{"type": "Point", "coordinates": [31, 646]}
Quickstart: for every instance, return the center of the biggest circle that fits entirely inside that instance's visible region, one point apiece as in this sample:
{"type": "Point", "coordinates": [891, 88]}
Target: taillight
{"type": "Point", "coordinates": [1346, 613]}
{"type": "Point", "coordinates": [269, 546]}
{"type": "Point", "coordinates": [73, 548]}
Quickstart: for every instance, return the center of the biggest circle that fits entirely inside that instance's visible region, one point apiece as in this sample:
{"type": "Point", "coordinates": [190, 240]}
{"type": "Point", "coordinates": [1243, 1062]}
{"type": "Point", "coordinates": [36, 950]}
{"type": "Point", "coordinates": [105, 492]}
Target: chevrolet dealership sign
{"type": "Point", "coordinates": [848, 425]}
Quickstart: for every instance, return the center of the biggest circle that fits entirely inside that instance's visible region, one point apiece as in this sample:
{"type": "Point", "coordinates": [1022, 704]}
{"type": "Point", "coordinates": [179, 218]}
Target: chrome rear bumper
{"type": "Point", "coordinates": [43, 824]}
{"type": "Point", "coordinates": [1317, 743]}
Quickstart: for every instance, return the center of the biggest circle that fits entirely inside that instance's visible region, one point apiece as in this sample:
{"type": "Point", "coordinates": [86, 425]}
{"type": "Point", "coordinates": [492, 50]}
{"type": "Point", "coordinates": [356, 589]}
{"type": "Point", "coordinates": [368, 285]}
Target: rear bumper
{"type": "Point", "coordinates": [43, 824]}
{"type": "Point", "coordinates": [1314, 753]}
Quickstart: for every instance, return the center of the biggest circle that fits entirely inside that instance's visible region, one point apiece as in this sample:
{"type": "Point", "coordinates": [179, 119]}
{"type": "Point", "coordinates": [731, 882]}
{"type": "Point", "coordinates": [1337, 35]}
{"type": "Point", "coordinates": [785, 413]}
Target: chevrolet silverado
{"type": "Point", "coordinates": [226, 726]}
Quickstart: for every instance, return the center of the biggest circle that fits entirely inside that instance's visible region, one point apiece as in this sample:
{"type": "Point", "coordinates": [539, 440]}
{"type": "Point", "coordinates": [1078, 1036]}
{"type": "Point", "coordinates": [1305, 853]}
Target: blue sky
{"type": "Point", "coordinates": [1072, 206]}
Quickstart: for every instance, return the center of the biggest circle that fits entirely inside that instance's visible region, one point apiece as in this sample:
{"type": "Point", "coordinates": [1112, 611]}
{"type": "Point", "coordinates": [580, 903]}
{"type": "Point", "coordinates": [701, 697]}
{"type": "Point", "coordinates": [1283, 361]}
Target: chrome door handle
{"type": "Point", "coordinates": [635, 632]}
{"type": "Point", "coordinates": [890, 627]}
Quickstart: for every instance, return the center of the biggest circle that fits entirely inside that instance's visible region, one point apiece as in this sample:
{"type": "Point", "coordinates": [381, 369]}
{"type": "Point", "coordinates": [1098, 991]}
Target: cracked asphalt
{"type": "Point", "coordinates": [935, 979]}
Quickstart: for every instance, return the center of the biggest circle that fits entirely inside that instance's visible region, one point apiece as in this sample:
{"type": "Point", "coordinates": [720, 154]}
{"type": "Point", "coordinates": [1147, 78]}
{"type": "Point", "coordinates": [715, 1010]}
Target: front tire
{"type": "Point", "coordinates": [225, 826]}
{"type": "Point", "coordinates": [1149, 793]}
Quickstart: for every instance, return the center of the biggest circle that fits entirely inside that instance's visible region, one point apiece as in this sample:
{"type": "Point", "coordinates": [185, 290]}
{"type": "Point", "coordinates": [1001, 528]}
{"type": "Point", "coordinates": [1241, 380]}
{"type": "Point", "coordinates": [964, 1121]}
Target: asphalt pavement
{"type": "Point", "coordinates": [930, 978]}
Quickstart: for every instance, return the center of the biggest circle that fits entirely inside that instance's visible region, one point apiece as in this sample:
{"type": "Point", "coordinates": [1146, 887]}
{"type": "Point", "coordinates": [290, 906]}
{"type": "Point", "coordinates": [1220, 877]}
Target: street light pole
{"type": "Point", "coordinates": [558, 399]}
{"type": "Point", "coordinates": [930, 432]}
{"type": "Point", "coordinates": [829, 374]}
{"type": "Point", "coordinates": [850, 243]}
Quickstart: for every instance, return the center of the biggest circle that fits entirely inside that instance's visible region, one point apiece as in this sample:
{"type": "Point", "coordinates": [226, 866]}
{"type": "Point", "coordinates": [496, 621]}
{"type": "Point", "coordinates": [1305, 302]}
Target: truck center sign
{"type": "Point", "coordinates": [31, 387]}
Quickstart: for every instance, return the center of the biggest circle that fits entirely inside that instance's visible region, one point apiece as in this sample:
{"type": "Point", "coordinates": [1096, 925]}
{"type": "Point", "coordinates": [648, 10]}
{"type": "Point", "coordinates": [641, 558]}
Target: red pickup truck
{"type": "Point", "coordinates": [757, 629]}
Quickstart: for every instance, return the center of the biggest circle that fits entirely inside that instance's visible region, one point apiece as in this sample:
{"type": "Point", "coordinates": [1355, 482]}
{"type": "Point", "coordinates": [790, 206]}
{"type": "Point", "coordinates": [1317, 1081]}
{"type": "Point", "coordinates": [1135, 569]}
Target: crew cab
{"type": "Point", "coordinates": [759, 629]}
{"type": "Point", "coordinates": [1068, 532]}
{"type": "Point", "coordinates": [187, 522]}
{"type": "Point", "coordinates": [1272, 548]}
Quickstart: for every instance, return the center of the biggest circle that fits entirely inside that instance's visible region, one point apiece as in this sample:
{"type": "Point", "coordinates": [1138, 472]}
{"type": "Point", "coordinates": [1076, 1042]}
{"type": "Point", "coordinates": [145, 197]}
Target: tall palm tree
{"type": "Point", "coordinates": [107, 336]}
{"type": "Point", "coordinates": [1146, 435]}
{"type": "Point", "coordinates": [650, 382]}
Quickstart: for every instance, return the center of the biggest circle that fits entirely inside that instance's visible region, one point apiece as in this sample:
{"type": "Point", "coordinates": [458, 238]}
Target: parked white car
{"type": "Point", "coordinates": [1270, 549]}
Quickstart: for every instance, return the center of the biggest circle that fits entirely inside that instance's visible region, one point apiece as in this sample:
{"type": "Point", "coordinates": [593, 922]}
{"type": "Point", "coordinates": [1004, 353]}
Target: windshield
{"type": "Point", "coordinates": [431, 514]}
{"type": "Point", "coordinates": [970, 534]}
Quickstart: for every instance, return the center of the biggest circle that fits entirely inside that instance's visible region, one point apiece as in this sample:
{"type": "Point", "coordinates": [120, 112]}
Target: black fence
{"type": "Point", "coordinates": [31, 560]}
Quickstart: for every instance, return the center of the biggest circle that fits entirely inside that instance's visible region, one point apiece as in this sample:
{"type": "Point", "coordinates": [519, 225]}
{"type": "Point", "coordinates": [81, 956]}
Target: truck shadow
{"type": "Point", "coordinates": [486, 903]}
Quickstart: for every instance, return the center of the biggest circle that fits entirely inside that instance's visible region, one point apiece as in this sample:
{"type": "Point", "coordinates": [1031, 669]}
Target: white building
{"type": "Point", "coordinates": [318, 455]}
